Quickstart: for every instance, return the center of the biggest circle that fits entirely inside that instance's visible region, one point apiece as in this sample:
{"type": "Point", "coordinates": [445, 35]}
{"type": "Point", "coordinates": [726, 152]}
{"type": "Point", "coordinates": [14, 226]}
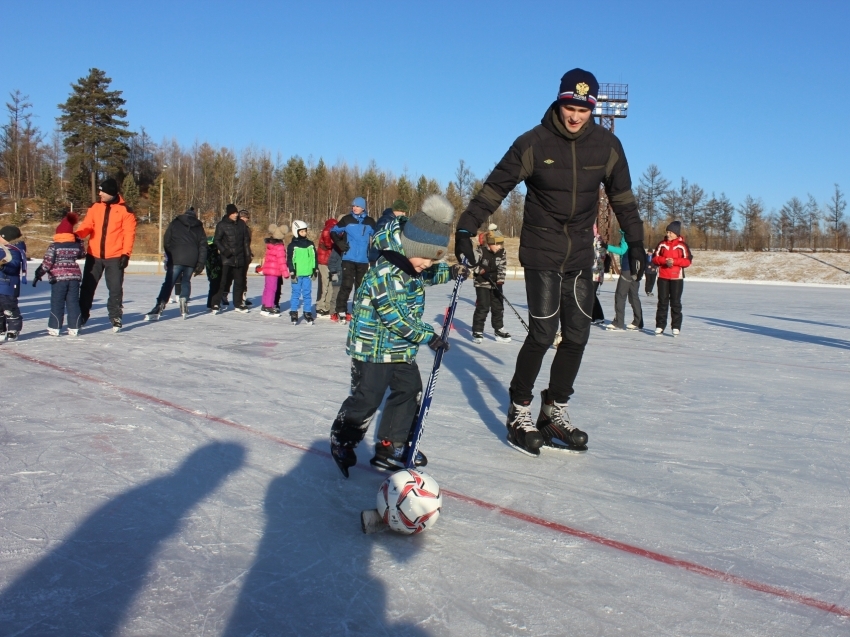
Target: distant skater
{"type": "Point", "coordinates": [671, 256]}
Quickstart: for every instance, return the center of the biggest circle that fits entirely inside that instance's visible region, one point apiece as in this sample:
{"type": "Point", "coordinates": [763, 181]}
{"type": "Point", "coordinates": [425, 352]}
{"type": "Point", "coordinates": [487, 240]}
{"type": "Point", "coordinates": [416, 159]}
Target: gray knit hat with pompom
{"type": "Point", "coordinates": [426, 233]}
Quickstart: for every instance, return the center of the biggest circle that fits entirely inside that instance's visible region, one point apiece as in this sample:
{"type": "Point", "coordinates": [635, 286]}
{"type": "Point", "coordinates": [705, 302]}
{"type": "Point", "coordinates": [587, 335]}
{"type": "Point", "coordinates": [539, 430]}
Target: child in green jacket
{"type": "Point", "coordinates": [386, 331]}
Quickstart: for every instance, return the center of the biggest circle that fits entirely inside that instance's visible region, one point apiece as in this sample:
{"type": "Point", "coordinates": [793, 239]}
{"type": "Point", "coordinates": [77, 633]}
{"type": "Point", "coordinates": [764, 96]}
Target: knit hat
{"type": "Point", "coordinates": [360, 202]}
{"type": "Point", "coordinates": [426, 234]}
{"type": "Point", "coordinates": [277, 232]}
{"type": "Point", "coordinates": [110, 187]}
{"type": "Point", "coordinates": [244, 214]}
{"type": "Point", "coordinates": [10, 233]}
{"type": "Point", "coordinates": [675, 227]}
{"type": "Point", "coordinates": [400, 205]}
{"type": "Point", "coordinates": [578, 88]}
{"type": "Point", "coordinates": [66, 226]}
{"type": "Point", "coordinates": [231, 208]}
{"type": "Point", "coordinates": [494, 237]}
{"type": "Point", "coordinates": [192, 212]}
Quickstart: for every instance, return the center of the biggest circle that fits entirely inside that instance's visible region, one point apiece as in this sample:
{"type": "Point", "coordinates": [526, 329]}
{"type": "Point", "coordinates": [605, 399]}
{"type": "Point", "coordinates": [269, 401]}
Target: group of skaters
{"type": "Point", "coordinates": [389, 262]}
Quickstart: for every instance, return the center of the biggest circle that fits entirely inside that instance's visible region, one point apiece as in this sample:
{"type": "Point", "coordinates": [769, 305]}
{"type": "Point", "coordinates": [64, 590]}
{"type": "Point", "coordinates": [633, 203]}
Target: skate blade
{"type": "Point", "coordinates": [116, 330]}
{"type": "Point", "coordinates": [342, 467]}
{"type": "Point", "coordinates": [564, 448]}
{"type": "Point", "coordinates": [521, 450]}
{"type": "Point", "coordinates": [371, 522]}
{"type": "Point", "coordinates": [503, 340]}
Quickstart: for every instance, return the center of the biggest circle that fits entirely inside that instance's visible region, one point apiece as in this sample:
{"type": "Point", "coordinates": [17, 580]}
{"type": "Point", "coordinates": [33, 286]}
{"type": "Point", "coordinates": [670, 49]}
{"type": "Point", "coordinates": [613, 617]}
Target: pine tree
{"type": "Point", "coordinates": [130, 191]}
{"type": "Point", "coordinates": [96, 135]}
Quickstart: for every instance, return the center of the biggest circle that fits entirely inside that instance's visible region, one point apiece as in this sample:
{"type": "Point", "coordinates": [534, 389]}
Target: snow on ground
{"type": "Point", "coordinates": [173, 479]}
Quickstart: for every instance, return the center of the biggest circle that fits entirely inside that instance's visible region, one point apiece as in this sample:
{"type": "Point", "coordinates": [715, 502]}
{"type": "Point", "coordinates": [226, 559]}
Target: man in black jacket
{"type": "Point", "coordinates": [233, 242]}
{"type": "Point", "coordinates": [562, 162]}
{"type": "Point", "coordinates": [185, 244]}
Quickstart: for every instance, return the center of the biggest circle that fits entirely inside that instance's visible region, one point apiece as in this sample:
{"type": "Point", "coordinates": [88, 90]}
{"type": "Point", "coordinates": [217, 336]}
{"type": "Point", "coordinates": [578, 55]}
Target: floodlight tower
{"type": "Point", "coordinates": [612, 104]}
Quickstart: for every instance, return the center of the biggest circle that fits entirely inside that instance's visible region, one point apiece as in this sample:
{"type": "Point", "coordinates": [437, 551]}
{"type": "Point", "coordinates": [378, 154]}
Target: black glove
{"type": "Point", "coordinates": [315, 275]}
{"type": "Point", "coordinates": [124, 261]}
{"type": "Point", "coordinates": [39, 275]}
{"type": "Point", "coordinates": [637, 259]}
{"type": "Point", "coordinates": [463, 247]}
{"type": "Point", "coordinates": [199, 270]}
{"type": "Point", "coordinates": [436, 343]}
{"type": "Point", "coordinates": [294, 278]}
{"type": "Point", "coordinates": [459, 270]}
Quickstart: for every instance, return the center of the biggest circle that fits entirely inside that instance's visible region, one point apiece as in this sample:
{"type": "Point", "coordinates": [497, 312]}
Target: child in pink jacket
{"type": "Point", "coordinates": [274, 270]}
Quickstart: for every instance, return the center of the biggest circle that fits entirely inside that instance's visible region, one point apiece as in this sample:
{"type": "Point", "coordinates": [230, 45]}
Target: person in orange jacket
{"type": "Point", "coordinates": [111, 230]}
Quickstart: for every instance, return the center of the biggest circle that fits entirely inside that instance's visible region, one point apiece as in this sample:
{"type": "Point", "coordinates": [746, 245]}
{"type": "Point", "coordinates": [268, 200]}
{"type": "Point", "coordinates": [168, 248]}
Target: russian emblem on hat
{"type": "Point", "coordinates": [582, 88]}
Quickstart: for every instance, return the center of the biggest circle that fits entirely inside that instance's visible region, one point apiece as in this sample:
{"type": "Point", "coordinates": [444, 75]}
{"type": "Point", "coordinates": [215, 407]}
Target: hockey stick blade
{"type": "Point", "coordinates": [371, 522]}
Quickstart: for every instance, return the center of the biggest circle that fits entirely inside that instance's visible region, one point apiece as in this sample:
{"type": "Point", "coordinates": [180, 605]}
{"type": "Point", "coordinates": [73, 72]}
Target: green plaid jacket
{"type": "Point", "coordinates": [386, 324]}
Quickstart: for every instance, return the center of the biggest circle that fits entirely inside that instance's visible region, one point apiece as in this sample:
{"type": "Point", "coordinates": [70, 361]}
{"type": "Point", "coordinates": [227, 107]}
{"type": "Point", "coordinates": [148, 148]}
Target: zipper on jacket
{"type": "Point", "coordinates": [103, 232]}
{"type": "Point", "coordinates": [573, 211]}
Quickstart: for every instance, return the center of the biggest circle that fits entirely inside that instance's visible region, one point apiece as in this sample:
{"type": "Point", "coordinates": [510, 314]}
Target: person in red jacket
{"type": "Point", "coordinates": [323, 253]}
{"type": "Point", "coordinates": [111, 230]}
{"type": "Point", "coordinates": [671, 256]}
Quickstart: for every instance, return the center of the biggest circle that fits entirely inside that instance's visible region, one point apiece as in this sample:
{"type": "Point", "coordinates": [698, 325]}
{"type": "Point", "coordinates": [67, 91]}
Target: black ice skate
{"type": "Point", "coordinates": [184, 307]}
{"type": "Point", "coordinates": [293, 316]}
{"type": "Point", "coordinates": [557, 430]}
{"type": "Point", "coordinates": [116, 324]}
{"type": "Point", "coordinates": [268, 311]}
{"type": "Point", "coordinates": [389, 456]}
{"type": "Point", "coordinates": [308, 318]}
{"type": "Point", "coordinates": [156, 312]}
{"type": "Point", "coordinates": [343, 454]}
{"type": "Point", "coordinates": [477, 337]}
{"type": "Point", "coordinates": [522, 434]}
{"type": "Point", "coordinates": [502, 336]}
{"type": "Point", "coordinates": [10, 337]}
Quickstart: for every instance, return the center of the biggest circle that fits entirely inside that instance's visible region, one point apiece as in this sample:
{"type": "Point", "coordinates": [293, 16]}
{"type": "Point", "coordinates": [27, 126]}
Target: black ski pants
{"type": "Point", "coordinates": [235, 275]}
{"type": "Point", "coordinates": [598, 314]}
{"type": "Point", "coordinates": [92, 271]}
{"type": "Point", "coordinates": [554, 300]}
{"type": "Point", "coordinates": [650, 277]}
{"type": "Point", "coordinates": [352, 275]}
{"type": "Point", "coordinates": [488, 300]}
{"type": "Point", "coordinates": [10, 314]}
{"type": "Point", "coordinates": [369, 383]}
{"type": "Point", "coordinates": [669, 295]}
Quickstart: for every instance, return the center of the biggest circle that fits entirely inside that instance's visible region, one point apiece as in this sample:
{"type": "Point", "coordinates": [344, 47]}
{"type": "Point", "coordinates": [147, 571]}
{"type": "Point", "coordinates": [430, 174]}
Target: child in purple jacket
{"type": "Point", "coordinates": [60, 266]}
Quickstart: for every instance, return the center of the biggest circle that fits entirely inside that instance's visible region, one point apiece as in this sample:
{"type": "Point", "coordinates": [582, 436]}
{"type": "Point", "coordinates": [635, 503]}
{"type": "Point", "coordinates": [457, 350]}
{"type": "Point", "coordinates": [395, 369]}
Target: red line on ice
{"type": "Point", "coordinates": [692, 567]}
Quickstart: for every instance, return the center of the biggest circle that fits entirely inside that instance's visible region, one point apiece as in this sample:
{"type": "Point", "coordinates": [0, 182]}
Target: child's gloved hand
{"type": "Point", "coordinates": [294, 278]}
{"type": "Point", "coordinates": [39, 275]}
{"type": "Point", "coordinates": [259, 269]}
{"type": "Point", "coordinates": [459, 270]}
{"type": "Point", "coordinates": [436, 343]}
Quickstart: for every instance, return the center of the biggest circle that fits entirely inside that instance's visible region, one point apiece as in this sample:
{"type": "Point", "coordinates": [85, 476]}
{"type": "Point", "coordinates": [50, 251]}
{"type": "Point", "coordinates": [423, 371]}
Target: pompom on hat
{"type": "Point", "coordinates": [494, 237]}
{"type": "Point", "coordinates": [426, 233]}
{"type": "Point", "coordinates": [277, 232]}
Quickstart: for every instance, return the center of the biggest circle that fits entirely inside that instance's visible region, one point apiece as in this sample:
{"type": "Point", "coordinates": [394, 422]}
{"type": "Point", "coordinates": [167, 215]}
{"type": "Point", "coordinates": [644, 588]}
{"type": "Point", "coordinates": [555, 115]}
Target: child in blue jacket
{"type": "Point", "coordinates": [11, 266]}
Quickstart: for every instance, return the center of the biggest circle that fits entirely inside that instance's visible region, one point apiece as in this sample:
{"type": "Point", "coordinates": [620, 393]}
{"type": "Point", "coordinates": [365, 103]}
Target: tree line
{"type": "Point", "coordinates": [93, 140]}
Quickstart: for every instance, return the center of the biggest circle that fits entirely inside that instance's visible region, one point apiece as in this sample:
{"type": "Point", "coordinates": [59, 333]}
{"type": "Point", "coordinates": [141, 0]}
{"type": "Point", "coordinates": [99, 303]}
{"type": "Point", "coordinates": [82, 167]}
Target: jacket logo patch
{"type": "Point", "coordinates": [548, 161]}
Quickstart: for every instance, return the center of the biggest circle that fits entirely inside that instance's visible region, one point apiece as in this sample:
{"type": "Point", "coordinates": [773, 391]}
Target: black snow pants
{"type": "Point", "coordinates": [488, 300]}
{"type": "Point", "coordinates": [669, 294]}
{"type": "Point", "coordinates": [352, 275]}
{"type": "Point", "coordinates": [369, 383]}
{"type": "Point", "coordinates": [554, 300]}
{"type": "Point", "coordinates": [92, 271]}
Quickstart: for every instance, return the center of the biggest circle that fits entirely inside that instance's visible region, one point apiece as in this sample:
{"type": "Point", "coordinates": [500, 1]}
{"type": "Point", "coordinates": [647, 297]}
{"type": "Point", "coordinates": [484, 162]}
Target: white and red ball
{"type": "Point", "coordinates": [409, 501]}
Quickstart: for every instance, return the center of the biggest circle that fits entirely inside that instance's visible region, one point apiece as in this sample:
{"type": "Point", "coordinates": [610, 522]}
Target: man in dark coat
{"type": "Point", "coordinates": [562, 162]}
{"type": "Point", "coordinates": [233, 242]}
{"type": "Point", "coordinates": [185, 246]}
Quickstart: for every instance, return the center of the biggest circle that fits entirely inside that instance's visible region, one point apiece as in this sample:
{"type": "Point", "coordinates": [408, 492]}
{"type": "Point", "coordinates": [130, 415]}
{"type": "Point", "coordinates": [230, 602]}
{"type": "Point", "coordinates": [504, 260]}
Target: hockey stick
{"type": "Point", "coordinates": [505, 299]}
{"type": "Point", "coordinates": [370, 520]}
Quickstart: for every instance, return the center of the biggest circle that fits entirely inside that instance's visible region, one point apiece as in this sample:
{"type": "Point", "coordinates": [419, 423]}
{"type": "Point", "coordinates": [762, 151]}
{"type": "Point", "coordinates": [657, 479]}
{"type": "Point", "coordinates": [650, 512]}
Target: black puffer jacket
{"type": "Point", "coordinates": [233, 242]}
{"type": "Point", "coordinates": [186, 242]}
{"type": "Point", "coordinates": [562, 172]}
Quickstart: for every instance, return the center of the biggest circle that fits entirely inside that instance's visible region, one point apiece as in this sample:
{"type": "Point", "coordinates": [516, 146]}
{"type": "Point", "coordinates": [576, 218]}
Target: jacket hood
{"type": "Point", "coordinates": [552, 121]}
{"type": "Point", "coordinates": [388, 238]}
{"type": "Point", "coordinates": [330, 223]}
{"type": "Point", "coordinates": [190, 221]}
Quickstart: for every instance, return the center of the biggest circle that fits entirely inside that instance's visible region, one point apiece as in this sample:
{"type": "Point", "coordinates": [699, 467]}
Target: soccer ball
{"type": "Point", "coordinates": [409, 501]}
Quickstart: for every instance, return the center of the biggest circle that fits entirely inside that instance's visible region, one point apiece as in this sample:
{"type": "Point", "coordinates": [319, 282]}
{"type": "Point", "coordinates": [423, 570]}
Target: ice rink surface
{"type": "Point", "coordinates": [174, 479]}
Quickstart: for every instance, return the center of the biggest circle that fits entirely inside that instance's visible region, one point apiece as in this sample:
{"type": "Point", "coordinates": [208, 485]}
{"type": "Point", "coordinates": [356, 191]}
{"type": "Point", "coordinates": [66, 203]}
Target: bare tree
{"type": "Point", "coordinates": [835, 208]}
{"type": "Point", "coordinates": [751, 211]}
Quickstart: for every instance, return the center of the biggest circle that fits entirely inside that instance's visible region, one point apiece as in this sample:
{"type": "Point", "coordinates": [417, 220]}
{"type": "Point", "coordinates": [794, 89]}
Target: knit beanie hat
{"type": "Point", "coordinates": [66, 226]}
{"type": "Point", "coordinates": [231, 208]}
{"type": "Point", "coordinates": [676, 228]}
{"type": "Point", "coordinates": [359, 202]}
{"type": "Point", "coordinates": [192, 212]}
{"type": "Point", "coordinates": [277, 232]}
{"type": "Point", "coordinates": [578, 88]}
{"type": "Point", "coordinates": [110, 187]}
{"type": "Point", "coordinates": [10, 233]}
{"type": "Point", "coordinates": [400, 205]}
{"type": "Point", "coordinates": [494, 237]}
{"type": "Point", "coordinates": [426, 234]}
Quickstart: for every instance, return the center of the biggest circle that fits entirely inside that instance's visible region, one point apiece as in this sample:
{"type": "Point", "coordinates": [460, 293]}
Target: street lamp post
{"type": "Point", "coordinates": [161, 189]}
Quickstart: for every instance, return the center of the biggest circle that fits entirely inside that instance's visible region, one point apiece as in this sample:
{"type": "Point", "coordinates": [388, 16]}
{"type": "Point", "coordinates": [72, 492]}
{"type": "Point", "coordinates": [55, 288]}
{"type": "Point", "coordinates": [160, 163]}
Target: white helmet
{"type": "Point", "coordinates": [298, 225]}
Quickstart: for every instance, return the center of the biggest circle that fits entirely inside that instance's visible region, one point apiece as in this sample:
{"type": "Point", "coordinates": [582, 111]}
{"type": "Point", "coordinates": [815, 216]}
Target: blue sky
{"type": "Point", "coordinates": [739, 97]}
